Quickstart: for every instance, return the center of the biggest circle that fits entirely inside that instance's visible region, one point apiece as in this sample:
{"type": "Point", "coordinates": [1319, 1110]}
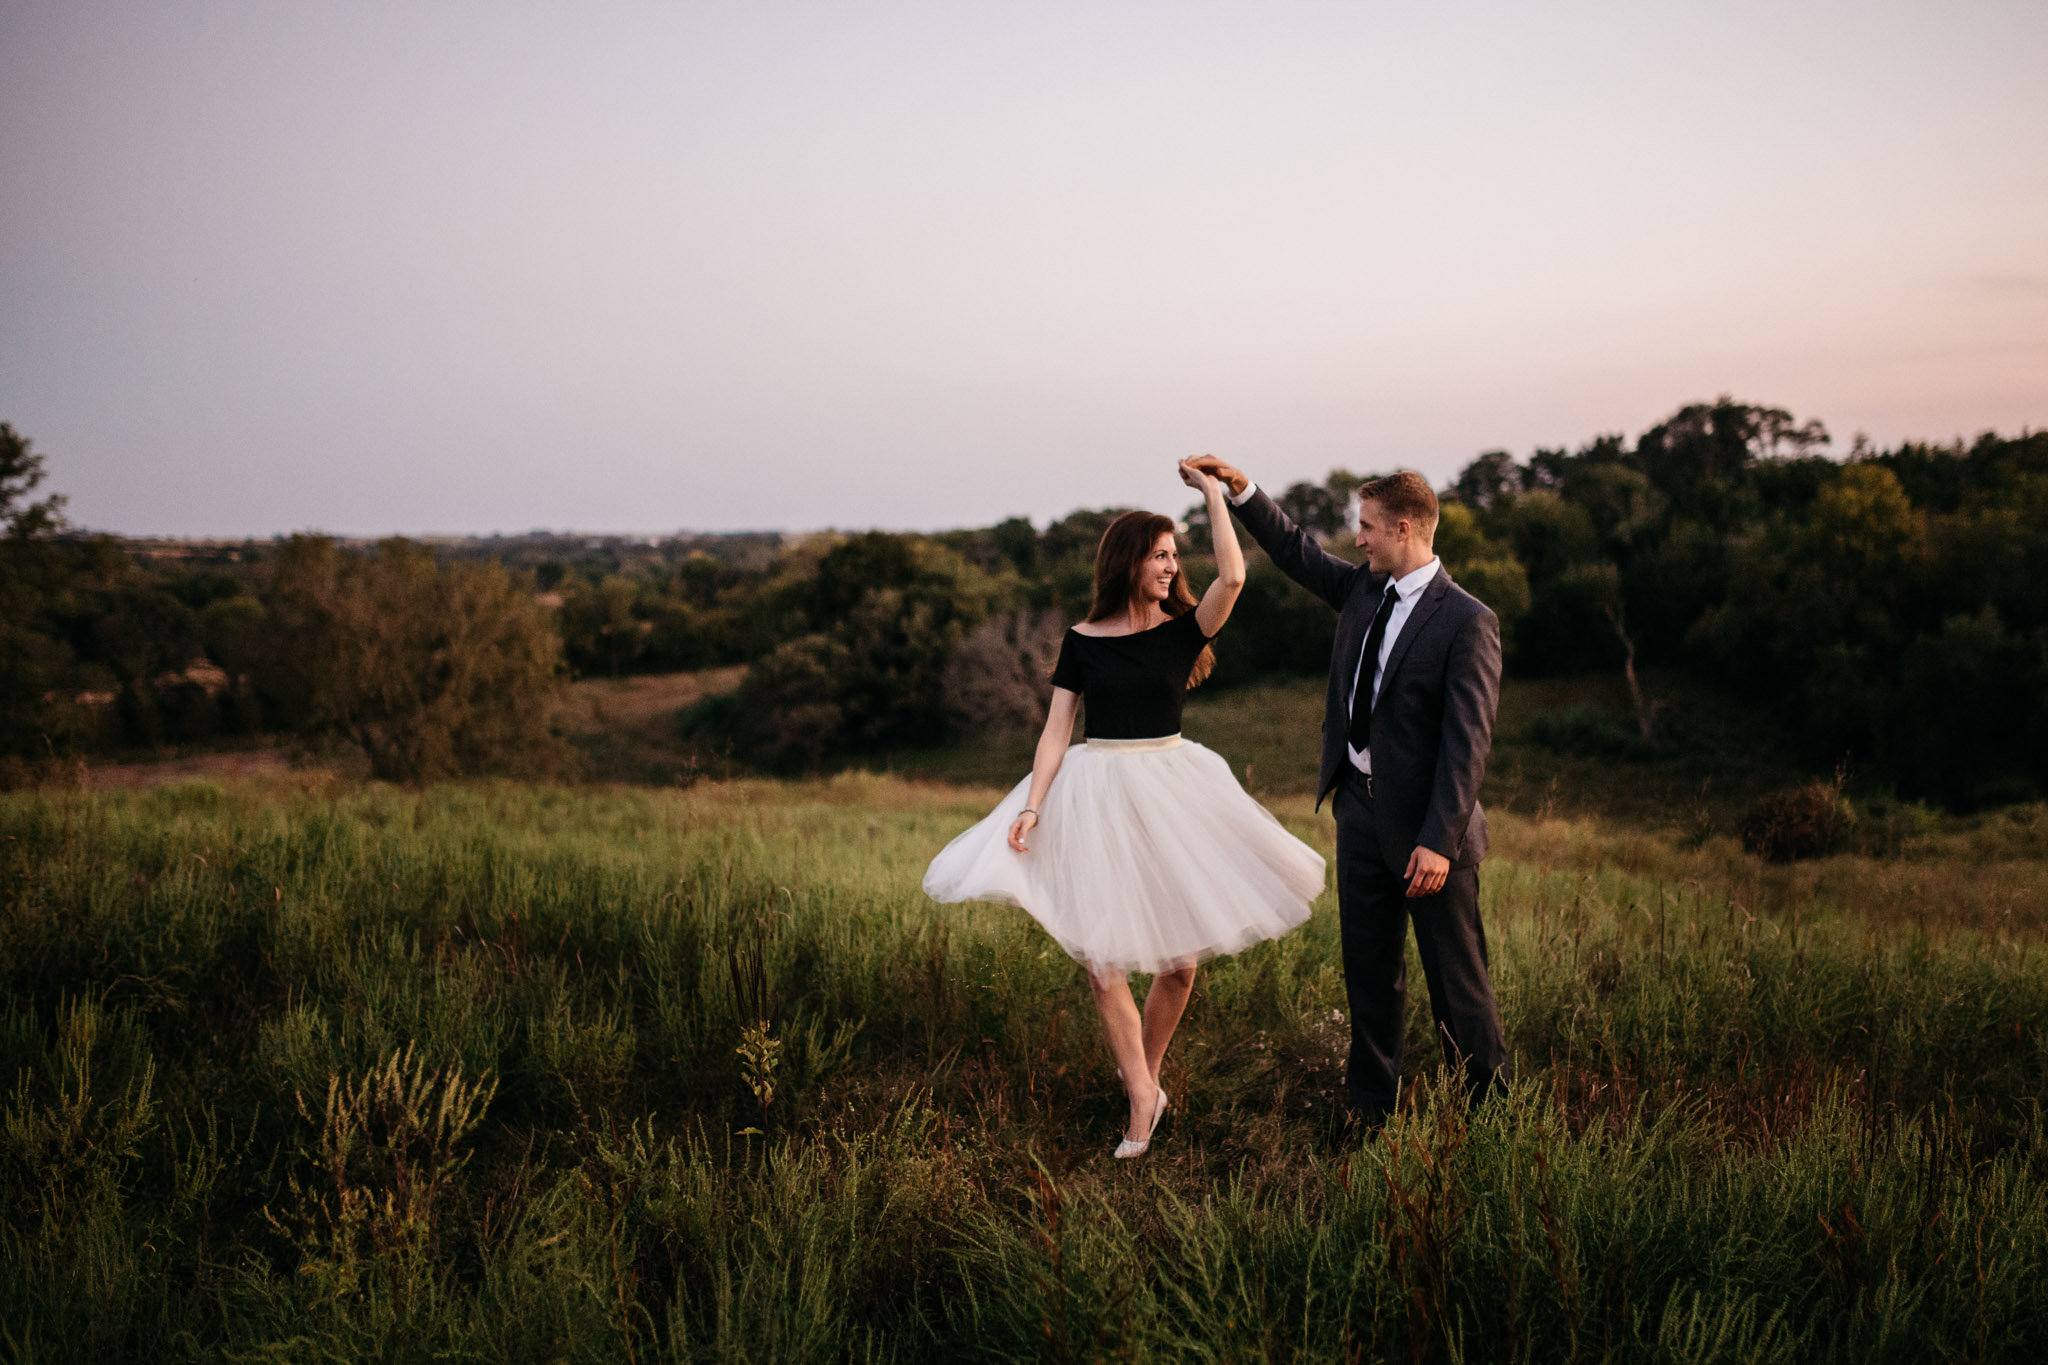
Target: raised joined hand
{"type": "Point", "coordinates": [1198, 479]}
{"type": "Point", "coordinates": [1229, 475]}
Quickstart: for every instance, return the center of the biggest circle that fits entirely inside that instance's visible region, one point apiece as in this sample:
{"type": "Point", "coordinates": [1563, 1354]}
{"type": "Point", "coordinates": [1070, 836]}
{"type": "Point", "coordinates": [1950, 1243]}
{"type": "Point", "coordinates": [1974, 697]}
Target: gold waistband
{"type": "Point", "coordinates": [1136, 746]}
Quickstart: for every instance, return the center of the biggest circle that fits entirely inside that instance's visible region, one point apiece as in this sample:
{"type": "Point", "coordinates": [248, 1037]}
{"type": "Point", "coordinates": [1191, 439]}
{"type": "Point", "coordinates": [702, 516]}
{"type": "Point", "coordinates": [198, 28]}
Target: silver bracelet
{"type": "Point", "coordinates": [1028, 810]}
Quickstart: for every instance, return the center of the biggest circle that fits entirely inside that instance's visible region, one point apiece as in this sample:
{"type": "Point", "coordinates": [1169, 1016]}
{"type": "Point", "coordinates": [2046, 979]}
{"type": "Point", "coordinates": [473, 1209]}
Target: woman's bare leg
{"type": "Point", "coordinates": [1125, 1029]}
{"type": "Point", "coordinates": [1164, 1004]}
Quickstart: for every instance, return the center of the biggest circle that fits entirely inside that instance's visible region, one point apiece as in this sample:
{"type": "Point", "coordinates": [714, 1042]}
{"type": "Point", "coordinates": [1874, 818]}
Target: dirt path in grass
{"type": "Point", "coordinates": [127, 776]}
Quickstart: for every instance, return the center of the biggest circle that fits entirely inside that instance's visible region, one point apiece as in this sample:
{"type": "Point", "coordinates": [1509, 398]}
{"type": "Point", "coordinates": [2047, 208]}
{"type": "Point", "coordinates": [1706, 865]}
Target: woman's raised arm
{"type": "Point", "coordinates": [1214, 608]}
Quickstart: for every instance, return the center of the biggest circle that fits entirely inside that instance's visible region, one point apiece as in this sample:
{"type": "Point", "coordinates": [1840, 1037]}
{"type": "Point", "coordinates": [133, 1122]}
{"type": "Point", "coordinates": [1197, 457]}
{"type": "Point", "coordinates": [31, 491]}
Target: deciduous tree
{"type": "Point", "coordinates": [432, 669]}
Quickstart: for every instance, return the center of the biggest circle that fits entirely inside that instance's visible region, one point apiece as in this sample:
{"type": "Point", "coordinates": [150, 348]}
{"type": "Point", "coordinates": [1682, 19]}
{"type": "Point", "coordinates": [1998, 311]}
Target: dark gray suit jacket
{"type": "Point", "coordinates": [1433, 724]}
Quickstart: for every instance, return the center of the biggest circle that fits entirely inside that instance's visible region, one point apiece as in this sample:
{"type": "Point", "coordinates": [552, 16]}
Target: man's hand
{"type": "Point", "coordinates": [1427, 871]}
{"type": "Point", "coordinates": [1232, 477]}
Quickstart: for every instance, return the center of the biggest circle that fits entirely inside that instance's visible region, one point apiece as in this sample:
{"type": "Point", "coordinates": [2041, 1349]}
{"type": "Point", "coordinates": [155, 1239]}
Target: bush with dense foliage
{"type": "Point", "coordinates": [432, 669]}
{"type": "Point", "coordinates": [1808, 821]}
{"type": "Point", "coordinates": [885, 615]}
{"type": "Point", "coordinates": [95, 650]}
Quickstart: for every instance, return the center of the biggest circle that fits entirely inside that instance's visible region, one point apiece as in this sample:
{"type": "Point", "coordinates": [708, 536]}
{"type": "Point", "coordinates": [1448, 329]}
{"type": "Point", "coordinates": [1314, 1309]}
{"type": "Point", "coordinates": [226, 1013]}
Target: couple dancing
{"type": "Point", "coordinates": [1138, 851]}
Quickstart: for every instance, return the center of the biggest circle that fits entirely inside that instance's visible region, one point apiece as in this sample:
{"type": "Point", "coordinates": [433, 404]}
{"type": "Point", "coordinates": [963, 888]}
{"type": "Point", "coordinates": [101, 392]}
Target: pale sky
{"type": "Point", "coordinates": [426, 267]}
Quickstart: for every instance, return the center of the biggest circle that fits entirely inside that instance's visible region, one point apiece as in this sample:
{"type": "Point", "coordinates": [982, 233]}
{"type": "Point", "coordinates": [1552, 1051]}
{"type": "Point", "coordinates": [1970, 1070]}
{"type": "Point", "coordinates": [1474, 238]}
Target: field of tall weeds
{"type": "Point", "coordinates": [301, 1069]}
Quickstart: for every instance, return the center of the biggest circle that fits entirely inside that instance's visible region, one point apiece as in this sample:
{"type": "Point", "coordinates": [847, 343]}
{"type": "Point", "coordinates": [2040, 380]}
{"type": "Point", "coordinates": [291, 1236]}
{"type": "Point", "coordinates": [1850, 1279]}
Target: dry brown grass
{"type": "Point", "coordinates": [643, 705]}
{"type": "Point", "coordinates": [253, 763]}
{"type": "Point", "coordinates": [628, 728]}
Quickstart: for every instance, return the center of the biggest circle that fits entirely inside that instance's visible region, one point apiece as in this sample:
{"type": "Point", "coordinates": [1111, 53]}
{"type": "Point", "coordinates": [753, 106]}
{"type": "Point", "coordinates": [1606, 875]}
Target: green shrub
{"type": "Point", "coordinates": [1809, 821]}
{"type": "Point", "coordinates": [434, 670]}
{"type": "Point", "coordinates": [888, 614]}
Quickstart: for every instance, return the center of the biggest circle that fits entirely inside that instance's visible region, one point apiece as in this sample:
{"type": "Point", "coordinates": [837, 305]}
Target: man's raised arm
{"type": "Point", "coordinates": [1295, 550]}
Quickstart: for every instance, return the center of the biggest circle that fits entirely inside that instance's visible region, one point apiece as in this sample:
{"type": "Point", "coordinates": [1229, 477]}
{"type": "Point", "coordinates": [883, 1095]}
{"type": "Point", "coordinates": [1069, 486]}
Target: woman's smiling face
{"type": "Point", "coordinates": [1160, 567]}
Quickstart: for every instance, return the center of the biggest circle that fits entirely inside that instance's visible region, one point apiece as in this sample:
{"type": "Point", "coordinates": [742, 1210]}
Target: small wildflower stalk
{"type": "Point", "coordinates": [760, 1052]}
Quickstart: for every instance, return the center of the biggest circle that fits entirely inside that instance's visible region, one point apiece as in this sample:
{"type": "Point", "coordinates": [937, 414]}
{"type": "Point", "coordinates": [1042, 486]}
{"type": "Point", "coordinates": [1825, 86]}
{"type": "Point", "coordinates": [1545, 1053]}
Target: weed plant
{"type": "Point", "coordinates": [496, 1072]}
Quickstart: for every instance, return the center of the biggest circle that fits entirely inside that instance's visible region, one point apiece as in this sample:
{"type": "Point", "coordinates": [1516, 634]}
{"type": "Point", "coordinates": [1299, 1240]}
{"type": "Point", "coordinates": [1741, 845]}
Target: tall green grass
{"type": "Point", "coordinates": [500, 1072]}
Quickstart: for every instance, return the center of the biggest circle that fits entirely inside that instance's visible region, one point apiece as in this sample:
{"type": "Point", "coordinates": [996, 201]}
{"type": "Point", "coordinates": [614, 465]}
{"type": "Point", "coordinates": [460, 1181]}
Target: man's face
{"type": "Point", "coordinates": [1381, 537]}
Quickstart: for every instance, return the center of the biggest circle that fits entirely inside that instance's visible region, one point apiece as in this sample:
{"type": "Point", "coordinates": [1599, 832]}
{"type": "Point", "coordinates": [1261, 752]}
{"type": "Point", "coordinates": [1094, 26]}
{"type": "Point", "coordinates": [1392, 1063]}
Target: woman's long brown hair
{"type": "Point", "coordinates": [1118, 559]}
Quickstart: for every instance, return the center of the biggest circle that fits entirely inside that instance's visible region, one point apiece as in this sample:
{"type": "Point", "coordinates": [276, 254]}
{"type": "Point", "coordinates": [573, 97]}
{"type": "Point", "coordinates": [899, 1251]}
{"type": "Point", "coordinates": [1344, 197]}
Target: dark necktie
{"type": "Point", "coordinates": [1368, 670]}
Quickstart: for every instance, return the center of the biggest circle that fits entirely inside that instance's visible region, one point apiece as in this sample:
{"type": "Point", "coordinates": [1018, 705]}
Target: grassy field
{"type": "Point", "coordinates": [300, 1069]}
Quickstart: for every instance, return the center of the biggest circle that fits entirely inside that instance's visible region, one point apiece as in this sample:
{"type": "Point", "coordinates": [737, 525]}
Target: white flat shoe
{"type": "Point", "coordinates": [1127, 1149]}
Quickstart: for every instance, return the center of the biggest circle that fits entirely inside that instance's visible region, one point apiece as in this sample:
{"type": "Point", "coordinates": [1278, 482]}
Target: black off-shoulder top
{"type": "Point", "coordinates": [1134, 684]}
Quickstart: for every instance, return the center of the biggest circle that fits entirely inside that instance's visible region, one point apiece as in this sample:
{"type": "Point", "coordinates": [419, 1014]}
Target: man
{"type": "Point", "coordinates": [1408, 721]}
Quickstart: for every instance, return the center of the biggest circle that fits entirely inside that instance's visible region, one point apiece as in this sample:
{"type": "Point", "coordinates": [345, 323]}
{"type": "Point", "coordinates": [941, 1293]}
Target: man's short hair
{"type": "Point", "coordinates": [1404, 494]}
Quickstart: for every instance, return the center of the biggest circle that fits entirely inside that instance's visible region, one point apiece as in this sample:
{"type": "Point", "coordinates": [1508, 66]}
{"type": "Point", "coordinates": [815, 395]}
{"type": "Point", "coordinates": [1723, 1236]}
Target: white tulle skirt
{"type": "Point", "coordinates": [1147, 856]}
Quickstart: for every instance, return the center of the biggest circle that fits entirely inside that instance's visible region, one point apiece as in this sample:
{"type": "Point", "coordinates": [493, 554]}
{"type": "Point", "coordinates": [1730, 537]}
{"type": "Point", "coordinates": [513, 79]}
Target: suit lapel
{"type": "Point", "coordinates": [1352, 624]}
{"type": "Point", "coordinates": [1418, 617]}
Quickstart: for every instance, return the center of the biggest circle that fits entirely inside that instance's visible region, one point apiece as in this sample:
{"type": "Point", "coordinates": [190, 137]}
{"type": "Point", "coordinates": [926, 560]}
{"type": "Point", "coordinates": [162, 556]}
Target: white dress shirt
{"type": "Point", "coordinates": [1407, 588]}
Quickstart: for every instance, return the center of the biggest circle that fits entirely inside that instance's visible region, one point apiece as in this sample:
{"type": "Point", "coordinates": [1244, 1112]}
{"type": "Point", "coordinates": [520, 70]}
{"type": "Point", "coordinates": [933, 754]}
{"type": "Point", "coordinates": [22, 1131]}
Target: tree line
{"type": "Point", "coordinates": [1885, 607]}
{"type": "Point", "coordinates": [1880, 606]}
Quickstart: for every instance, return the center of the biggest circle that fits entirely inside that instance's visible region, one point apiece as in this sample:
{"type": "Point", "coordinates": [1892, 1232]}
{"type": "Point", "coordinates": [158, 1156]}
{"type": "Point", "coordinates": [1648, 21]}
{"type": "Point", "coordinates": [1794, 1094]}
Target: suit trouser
{"type": "Point", "coordinates": [1373, 914]}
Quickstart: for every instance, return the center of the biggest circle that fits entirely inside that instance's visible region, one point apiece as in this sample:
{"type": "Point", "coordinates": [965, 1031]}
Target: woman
{"type": "Point", "coordinates": [1145, 855]}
